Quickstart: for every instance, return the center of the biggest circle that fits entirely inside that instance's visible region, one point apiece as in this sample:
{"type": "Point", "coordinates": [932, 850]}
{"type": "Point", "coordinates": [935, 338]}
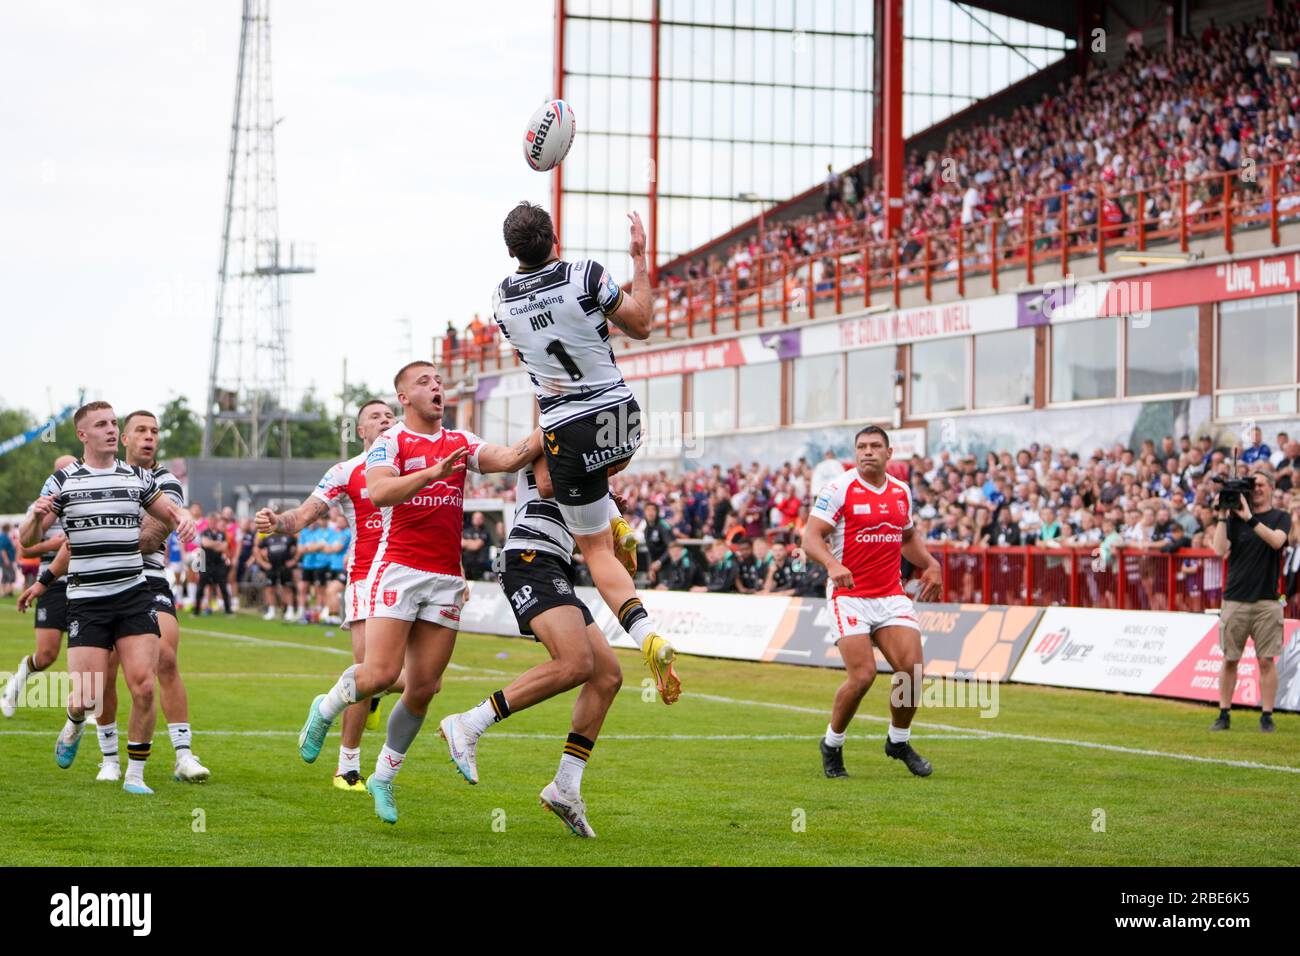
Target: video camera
{"type": "Point", "coordinates": [1232, 489]}
{"type": "Point", "coordinates": [1229, 498]}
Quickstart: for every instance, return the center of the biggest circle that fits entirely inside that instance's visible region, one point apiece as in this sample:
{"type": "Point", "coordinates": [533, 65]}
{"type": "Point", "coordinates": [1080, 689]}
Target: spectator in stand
{"type": "Point", "coordinates": [723, 573]}
{"type": "Point", "coordinates": [751, 572]}
{"type": "Point", "coordinates": [450, 343]}
{"type": "Point", "coordinates": [827, 470]}
{"type": "Point", "coordinates": [781, 577]}
{"type": "Point", "coordinates": [476, 547]}
{"type": "Point", "coordinates": [679, 571]}
{"type": "Point", "coordinates": [656, 534]}
{"type": "Point", "coordinates": [1258, 451]}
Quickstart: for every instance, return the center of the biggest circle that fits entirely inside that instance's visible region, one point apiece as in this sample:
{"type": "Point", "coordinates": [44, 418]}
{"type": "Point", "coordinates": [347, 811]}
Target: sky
{"type": "Point", "coordinates": [398, 155]}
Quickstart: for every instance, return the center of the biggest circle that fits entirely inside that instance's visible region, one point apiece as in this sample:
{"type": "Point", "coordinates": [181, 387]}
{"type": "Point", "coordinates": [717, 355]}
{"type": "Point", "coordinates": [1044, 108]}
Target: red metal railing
{"type": "Point", "coordinates": [1185, 580]}
{"type": "Point", "coordinates": [854, 263]}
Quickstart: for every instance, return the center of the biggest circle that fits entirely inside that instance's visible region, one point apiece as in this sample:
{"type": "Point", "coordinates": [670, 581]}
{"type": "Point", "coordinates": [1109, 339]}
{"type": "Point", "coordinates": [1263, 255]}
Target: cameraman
{"type": "Point", "coordinates": [1254, 534]}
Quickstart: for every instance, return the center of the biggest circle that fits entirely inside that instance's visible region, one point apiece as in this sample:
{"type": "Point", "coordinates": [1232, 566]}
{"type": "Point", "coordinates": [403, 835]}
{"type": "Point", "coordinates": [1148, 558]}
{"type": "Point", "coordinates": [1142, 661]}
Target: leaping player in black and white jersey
{"type": "Point", "coordinates": [110, 604]}
{"type": "Point", "coordinates": [536, 573]}
{"type": "Point", "coordinates": [556, 314]}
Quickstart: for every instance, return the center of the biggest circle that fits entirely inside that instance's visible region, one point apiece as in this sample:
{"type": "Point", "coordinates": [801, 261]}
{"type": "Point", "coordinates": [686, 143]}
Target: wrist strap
{"type": "Point", "coordinates": [1252, 520]}
{"type": "Point", "coordinates": [46, 578]}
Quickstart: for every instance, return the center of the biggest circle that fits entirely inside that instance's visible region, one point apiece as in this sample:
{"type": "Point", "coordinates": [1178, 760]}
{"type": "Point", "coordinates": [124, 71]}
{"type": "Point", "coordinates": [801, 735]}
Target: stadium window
{"type": "Point", "coordinates": [1085, 360]}
{"type": "Point", "coordinates": [870, 381]}
{"type": "Point", "coordinates": [939, 376]}
{"type": "Point", "coordinates": [492, 421]}
{"type": "Point", "coordinates": [1257, 342]}
{"type": "Point", "coordinates": [661, 423]}
{"type": "Point", "coordinates": [1161, 354]}
{"type": "Point", "coordinates": [1256, 349]}
{"type": "Point", "coordinates": [818, 389]}
{"type": "Point", "coordinates": [519, 418]}
{"type": "Point", "coordinates": [1004, 369]}
{"type": "Point", "coordinates": [713, 401]}
{"type": "Point", "coordinates": [759, 404]}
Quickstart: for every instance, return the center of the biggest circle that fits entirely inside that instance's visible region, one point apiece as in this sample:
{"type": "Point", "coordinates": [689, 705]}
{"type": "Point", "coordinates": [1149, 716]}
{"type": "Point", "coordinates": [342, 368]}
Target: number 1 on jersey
{"type": "Point", "coordinates": [557, 349]}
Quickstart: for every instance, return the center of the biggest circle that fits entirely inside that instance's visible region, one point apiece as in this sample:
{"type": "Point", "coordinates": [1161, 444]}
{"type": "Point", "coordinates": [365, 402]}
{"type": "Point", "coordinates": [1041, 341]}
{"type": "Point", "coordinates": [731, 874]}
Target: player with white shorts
{"type": "Point", "coordinates": [345, 485]}
{"type": "Point", "coordinates": [415, 475]}
{"type": "Point", "coordinates": [860, 529]}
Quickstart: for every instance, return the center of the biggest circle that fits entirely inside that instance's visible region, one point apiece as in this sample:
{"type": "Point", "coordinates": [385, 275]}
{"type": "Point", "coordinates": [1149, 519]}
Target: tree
{"type": "Point", "coordinates": [24, 470]}
{"type": "Point", "coordinates": [180, 431]}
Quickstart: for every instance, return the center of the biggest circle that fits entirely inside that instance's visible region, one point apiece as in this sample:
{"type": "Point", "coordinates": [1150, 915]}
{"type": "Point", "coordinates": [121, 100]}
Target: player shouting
{"type": "Point", "coordinates": [556, 314]}
{"type": "Point", "coordinates": [345, 484]}
{"type": "Point", "coordinates": [110, 604]}
{"type": "Point", "coordinates": [537, 576]}
{"type": "Point", "coordinates": [415, 475]}
{"type": "Point", "coordinates": [859, 529]}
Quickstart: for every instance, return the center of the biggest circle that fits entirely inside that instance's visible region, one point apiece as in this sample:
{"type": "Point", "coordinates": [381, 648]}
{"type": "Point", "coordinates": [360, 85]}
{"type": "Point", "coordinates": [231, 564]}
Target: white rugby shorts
{"type": "Point", "coordinates": [861, 615]}
{"type": "Point", "coordinates": [409, 594]}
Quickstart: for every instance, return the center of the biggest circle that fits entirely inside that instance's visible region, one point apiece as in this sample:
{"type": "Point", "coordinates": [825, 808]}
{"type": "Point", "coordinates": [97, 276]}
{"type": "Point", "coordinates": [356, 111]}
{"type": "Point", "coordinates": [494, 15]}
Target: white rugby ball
{"type": "Point", "coordinates": [549, 135]}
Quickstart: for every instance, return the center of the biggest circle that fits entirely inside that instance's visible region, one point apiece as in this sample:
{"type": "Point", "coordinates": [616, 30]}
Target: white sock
{"type": "Point", "coordinates": [135, 765]}
{"type": "Point", "coordinates": [107, 734]}
{"type": "Point", "coordinates": [72, 730]}
{"type": "Point", "coordinates": [568, 779]}
{"type": "Point", "coordinates": [342, 695]}
{"type": "Point", "coordinates": [833, 739]}
{"type": "Point", "coordinates": [479, 717]}
{"type": "Point", "coordinates": [389, 762]}
{"type": "Point", "coordinates": [349, 760]}
{"type": "Point", "coordinates": [24, 669]}
{"type": "Point", "coordinates": [899, 735]}
{"type": "Point", "coordinates": [641, 631]}
{"type": "Point", "coordinates": [180, 736]}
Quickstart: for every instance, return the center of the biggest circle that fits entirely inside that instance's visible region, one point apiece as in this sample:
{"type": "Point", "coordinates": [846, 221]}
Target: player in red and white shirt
{"type": "Point", "coordinates": [860, 528]}
{"type": "Point", "coordinates": [344, 485]}
{"type": "Point", "coordinates": [415, 475]}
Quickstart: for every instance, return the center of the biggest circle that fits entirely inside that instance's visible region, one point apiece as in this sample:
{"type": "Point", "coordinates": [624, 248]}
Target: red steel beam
{"type": "Point", "coordinates": [654, 144]}
{"type": "Point", "coordinates": [889, 104]}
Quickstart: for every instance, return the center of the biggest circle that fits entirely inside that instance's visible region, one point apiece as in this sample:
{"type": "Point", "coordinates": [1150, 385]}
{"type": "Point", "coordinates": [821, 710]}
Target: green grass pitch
{"type": "Point", "coordinates": [729, 776]}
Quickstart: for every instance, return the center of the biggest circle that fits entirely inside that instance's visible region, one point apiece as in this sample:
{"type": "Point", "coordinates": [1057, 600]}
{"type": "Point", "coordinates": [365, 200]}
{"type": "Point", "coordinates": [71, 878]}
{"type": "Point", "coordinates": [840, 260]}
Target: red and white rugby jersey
{"type": "Point", "coordinates": [869, 522]}
{"type": "Point", "coordinates": [345, 486]}
{"type": "Point", "coordinates": [424, 533]}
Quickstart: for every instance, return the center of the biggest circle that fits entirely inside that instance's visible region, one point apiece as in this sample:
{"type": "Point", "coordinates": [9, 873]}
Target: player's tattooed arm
{"type": "Point", "coordinates": [290, 522]}
{"type": "Point", "coordinates": [635, 312]}
{"type": "Point", "coordinates": [494, 458]}
{"type": "Point", "coordinates": [173, 516]}
{"type": "Point", "coordinates": [152, 534]}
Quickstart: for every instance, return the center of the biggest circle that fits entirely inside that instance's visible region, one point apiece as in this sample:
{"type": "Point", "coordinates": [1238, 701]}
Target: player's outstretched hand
{"type": "Point", "coordinates": [27, 597]}
{"type": "Point", "coordinates": [264, 521]}
{"type": "Point", "coordinates": [841, 576]}
{"type": "Point", "coordinates": [448, 466]}
{"type": "Point", "coordinates": [636, 244]}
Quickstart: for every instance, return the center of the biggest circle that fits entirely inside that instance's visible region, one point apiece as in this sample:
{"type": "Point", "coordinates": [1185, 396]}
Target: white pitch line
{"type": "Point", "coordinates": [1061, 741]}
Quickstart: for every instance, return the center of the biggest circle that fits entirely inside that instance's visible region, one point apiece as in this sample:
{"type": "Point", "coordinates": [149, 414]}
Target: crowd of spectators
{"type": "Point", "coordinates": [723, 529]}
{"type": "Point", "coordinates": [1210, 104]}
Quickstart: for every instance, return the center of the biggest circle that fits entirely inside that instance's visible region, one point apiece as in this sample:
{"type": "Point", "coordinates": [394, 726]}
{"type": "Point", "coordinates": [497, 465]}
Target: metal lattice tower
{"type": "Point", "coordinates": [249, 375]}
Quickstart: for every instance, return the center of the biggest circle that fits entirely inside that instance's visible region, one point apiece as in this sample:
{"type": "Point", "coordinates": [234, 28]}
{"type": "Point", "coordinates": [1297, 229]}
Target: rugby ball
{"type": "Point", "coordinates": [549, 135]}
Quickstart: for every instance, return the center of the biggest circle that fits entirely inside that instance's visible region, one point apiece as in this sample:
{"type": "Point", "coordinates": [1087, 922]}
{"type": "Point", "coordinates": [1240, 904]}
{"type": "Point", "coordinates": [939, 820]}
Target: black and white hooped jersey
{"type": "Point", "coordinates": [538, 525]}
{"type": "Point", "coordinates": [155, 564]}
{"type": "Point", "coordinates": [100, 509]}
{"type": "Point", "coordinates": [555, 317]}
